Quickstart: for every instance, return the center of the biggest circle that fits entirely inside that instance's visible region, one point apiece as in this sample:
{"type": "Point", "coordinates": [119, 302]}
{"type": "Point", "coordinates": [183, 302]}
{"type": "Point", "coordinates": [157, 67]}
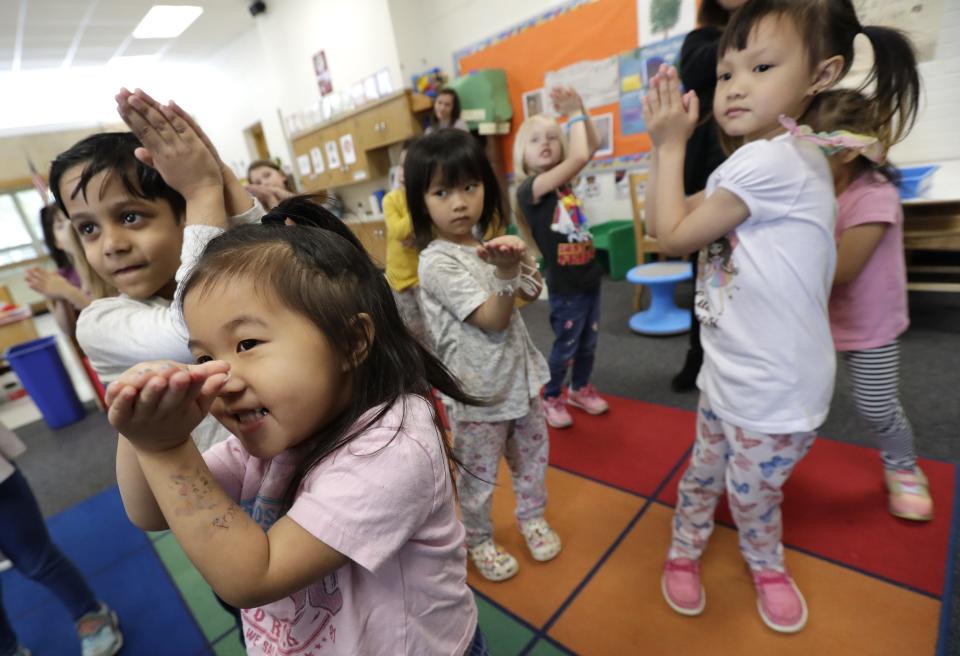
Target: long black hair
{"type": "Point", "coordinates": [457, 157]}
{"type": "Point", "coordinates": [325, 278]}
{"type": "Point", "coordinates": [113, 152]}
{"type": "Point", "coordinates": [48, 216]}
{"type": "Point", "coordinates": [828, 28]}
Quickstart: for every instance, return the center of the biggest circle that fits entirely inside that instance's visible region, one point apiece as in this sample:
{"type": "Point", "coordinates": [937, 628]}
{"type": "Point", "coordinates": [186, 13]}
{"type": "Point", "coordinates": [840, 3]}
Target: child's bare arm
{"type": "Point", "coordinates": [138, 499]}
{"type": "Point", "coordinates": [172, 147]}
{"type": "Point", "coordinates": [582, 144]}
{"type": "Point", "coordinates": [156, 409]}
{"type": "Point", "coordinates": [670, 119]}
{"type": "Point", "coordinates": [505, 253]}
{"type": "Point", "coordinates": [855, 248]}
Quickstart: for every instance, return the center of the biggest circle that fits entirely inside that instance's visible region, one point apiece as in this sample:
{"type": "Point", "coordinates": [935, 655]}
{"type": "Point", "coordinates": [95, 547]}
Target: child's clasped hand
{"type": "Point", "coordinates": [670, 117]}
{"type": "Point", "coordinates": [156, 405]}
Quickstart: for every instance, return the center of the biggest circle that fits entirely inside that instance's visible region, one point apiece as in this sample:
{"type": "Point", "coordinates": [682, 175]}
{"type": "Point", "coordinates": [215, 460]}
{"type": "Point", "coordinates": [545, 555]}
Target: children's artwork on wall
{"type": "Point", "coordinates": [661, 19]}
{"type": "Point", "coordinates": [333, 155]}
{"type": "Point", "coordinates": [303, 164]}
{"type": "Point", "coordinates": [595, 80]}
{"type": "Point", "coordinates": [316, 156]}
{"type": "Point", "coordinates": [621, 182]}
{"type": "Point", "coordinates": [533, 103]}
{"type": "Point", "coordinates": [429, 82]}
{"type": "Point", "coordinates": [370, 91]}
{"type": "Point", "coordinates": [384, 82]}
{"type": "Point", "coordinates": [323, 72]}
{"type": "Point", "coordinates": [346, 147]}
{"type": "Point", "coordinates": [604, 127]}
{"type": "Point", "coordinates": [637, 67]}
{"type": "Point", "coordinates": [357, 94]}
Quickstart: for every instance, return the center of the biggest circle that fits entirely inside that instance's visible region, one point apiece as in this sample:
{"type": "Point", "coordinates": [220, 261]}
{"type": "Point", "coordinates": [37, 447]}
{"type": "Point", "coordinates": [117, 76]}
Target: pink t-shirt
{"type": "Point", "coordinates": [871, 311]}
{"type": "Point", "coordinates": [385, 501]}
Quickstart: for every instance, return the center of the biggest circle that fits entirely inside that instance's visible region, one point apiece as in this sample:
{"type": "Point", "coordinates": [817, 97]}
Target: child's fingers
{"type": "Point", "coordinates": [182, 113]}
{"type": "Point", "coordinates": [178, 385]}
{"type": "Point", "coordinates": [150, 396]}
{"type": "Point", "coordinates": [154, 127]}
{"type": "Point", "coordinates": [209, 391]}
{"type": "Point", "coordinates": [121, 409]}
{"type": "Point", "coordinates": [208, 369]}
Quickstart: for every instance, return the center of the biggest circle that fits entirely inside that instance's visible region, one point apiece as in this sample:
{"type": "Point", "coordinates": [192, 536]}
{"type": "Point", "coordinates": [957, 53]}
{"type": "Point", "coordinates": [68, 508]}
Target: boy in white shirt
{"type": "Point", "coordinates": [142, 231]}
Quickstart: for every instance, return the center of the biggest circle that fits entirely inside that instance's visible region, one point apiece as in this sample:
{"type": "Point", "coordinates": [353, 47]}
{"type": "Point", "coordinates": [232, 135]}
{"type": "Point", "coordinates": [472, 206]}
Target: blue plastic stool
{"type": "Point", "coordinates": [38, 365]}
{"type": "Point", "coordinates": [663, 317]}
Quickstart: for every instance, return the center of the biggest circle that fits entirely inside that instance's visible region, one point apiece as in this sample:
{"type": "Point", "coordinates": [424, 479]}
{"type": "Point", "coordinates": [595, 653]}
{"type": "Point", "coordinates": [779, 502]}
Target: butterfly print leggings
{"type": "Point", "coordinates": [751, 467]}
{"type": "Point", "coordinates": [479, 446]}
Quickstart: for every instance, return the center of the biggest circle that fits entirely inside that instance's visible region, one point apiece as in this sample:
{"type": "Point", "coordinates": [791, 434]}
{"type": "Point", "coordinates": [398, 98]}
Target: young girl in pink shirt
{"type": "Point", "coordinates": [868, 304]}
{"type": "Point", "coordinates": [329, 514]}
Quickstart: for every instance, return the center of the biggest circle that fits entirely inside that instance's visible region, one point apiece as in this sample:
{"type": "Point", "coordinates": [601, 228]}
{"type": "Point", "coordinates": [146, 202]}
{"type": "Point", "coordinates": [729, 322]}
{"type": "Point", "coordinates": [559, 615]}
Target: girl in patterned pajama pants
{"type": "Point", "coordinates": [479, 445]}
{"type": "Point", "coordinates": [751, 467]}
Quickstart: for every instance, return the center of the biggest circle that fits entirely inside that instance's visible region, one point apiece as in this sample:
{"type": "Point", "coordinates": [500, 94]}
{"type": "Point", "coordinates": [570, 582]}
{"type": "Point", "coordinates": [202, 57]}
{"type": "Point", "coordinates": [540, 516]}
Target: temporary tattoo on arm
{"type": "Point", "coordinates": [197, 493]}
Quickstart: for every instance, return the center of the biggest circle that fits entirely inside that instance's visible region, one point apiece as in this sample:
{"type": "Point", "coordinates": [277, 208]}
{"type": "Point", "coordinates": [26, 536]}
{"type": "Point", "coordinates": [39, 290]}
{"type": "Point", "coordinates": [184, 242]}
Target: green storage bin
{"type": "Point", "coordinates": [616, 247]}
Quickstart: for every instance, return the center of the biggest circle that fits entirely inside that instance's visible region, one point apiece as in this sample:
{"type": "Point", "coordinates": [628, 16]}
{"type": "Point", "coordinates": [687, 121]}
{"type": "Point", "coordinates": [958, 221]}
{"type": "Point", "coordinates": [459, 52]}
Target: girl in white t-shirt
{"type": "Point", "coordinates": [468, 289]}
{"type": "Point", "coordinates": [768, 371]}
{"type": "Point", "coordinates": [868, 304]}
{"type": "Point", "coordinates": [329, 514]}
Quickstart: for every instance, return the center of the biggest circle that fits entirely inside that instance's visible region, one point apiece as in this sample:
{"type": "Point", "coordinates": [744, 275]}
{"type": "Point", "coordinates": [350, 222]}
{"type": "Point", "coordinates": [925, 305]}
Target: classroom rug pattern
{"type": "Point", "coordinates": [873, 583]}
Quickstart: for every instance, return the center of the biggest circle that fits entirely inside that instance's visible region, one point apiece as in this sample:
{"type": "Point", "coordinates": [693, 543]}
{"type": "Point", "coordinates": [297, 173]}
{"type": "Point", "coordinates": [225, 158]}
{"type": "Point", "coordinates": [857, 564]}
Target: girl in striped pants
{"type": "Point", "coordinates": [868, 304]}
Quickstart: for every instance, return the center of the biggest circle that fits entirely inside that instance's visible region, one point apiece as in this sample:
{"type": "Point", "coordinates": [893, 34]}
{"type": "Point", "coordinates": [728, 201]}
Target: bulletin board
{"type": "Point", "coordinates": [582, 31]}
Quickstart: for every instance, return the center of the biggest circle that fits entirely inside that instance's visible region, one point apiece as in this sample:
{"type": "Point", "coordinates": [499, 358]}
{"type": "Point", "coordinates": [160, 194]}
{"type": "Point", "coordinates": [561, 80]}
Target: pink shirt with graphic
{"type": "Point", "coordinates": [871, 311]}
{"type": "Point", "coordinates": [385, 501]}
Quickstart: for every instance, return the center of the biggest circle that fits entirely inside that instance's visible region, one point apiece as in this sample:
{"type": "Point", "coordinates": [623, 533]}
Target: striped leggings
{"type": "Point", "coordinates": [874, 377]}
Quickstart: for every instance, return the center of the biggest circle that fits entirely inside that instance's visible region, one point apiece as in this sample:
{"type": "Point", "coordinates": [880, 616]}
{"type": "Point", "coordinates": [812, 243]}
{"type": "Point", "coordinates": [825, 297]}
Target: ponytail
{"type": "Point", "coordinates": [897, 92]}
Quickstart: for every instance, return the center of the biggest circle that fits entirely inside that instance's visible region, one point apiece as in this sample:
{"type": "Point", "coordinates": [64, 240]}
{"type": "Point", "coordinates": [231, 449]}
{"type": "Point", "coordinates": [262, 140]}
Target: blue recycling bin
{"type": "Point", "coordinates": [38, 365]}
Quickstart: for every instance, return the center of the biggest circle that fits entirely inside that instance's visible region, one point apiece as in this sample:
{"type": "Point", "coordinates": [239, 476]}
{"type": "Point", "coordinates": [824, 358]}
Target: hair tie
{"type": "Point", "coordinates": [833, 142]}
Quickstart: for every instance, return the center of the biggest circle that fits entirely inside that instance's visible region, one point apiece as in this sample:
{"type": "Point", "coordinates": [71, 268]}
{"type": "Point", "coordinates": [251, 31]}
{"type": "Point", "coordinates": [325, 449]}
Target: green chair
{"type": "Point", "coordinates": [616, 247]}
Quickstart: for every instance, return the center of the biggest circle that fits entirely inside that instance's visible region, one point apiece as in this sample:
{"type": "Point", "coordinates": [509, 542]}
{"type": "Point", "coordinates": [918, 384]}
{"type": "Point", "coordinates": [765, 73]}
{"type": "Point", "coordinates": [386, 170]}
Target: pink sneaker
{"type": "Point", "coordinates": [587, 399]}
{"type": "Point", "coordinates": [779, 601]}
{"type": "Point", "coordinates": [556, 411]}
{"type": "Point", "coordinates": [681, 586]}
{"type": "Point", "coordinates": [909, 496]}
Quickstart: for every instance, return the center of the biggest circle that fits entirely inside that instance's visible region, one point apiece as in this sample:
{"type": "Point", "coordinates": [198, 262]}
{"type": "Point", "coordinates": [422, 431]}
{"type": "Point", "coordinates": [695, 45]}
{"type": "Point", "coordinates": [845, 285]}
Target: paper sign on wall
{"type": "Point", "coordinates": [316, 156]}
{"type": "Point", "coordinates": [333, 155]}
{"type": "Point", "coordinates": [303, 164]}
{"type": "Point", "coordinates": [594, 80]}
{"type": "Point", "coordinates": [346, 147]}
{"type": "Point", "coordinates": [637, 67]}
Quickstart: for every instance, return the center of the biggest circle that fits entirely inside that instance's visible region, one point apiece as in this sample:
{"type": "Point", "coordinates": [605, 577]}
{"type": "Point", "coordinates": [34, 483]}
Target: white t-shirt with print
{"type": "Point", "coordinates": [762, 291]}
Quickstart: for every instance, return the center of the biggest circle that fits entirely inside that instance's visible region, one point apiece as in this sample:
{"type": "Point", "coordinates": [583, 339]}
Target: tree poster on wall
{"type": "Point", "coordinates": [658, 20]}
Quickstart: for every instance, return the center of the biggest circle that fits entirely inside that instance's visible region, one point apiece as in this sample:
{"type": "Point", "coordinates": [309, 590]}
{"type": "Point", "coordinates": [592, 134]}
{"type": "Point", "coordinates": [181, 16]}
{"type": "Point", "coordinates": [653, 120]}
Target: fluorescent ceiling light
{"type": "Point", "coordinates": [166, 21]}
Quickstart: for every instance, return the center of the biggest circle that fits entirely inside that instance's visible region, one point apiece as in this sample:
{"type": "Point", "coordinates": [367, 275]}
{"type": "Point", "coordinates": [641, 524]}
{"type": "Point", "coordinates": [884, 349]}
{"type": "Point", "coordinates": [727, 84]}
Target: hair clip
{"type": "Point", "coordinates": [833, 142]}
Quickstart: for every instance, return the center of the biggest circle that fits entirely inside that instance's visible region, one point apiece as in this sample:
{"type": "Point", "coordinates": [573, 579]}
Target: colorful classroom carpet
{"type": "Point", "coordinates": [873, 583]}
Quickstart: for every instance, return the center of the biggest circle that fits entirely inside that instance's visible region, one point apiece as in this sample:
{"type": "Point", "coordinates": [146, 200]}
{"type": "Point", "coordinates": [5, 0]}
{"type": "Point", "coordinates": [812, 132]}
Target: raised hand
{"type": "Point", "coordinates": [156, 405]}
{"type": "Point", "coordinates": [48, 283]}
{"type": "Point", "coordinates": [171, 144]}
{"type": "Point", "coordinates": [670, 117]}
{"type": "Point", "coordinates": [269, 197]}
{"type": "Point", "coordinates": [566, 101]}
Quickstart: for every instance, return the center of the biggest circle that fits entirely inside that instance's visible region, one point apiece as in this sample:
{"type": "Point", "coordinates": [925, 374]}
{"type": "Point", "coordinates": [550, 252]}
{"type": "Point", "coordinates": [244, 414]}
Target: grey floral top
{"type": "Point", "coordinates": [503, 368]}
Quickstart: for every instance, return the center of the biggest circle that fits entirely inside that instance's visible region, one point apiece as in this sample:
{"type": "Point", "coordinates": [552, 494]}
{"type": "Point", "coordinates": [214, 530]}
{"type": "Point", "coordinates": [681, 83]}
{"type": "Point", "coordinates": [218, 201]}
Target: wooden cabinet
{"type": "Point", "coordinates": [373, 236]}
{"type": "Point", "coordinates": [371, 129]}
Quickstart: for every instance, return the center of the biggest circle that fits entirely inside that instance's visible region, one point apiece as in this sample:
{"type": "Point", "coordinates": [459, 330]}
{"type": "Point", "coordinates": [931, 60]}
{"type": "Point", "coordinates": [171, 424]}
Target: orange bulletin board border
{"type": "Point", "coordinates": [595, 29]}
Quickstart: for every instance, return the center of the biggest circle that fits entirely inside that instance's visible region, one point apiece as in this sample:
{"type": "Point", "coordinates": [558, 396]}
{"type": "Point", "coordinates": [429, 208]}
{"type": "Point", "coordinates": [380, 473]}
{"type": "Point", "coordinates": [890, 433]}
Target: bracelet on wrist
{"type": "Point", "coordinates": [506, 286]}
{"type": "Point", "coordinates": [575, 119]}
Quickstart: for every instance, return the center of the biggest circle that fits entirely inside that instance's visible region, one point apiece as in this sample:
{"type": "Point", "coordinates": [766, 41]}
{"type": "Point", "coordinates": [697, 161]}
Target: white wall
{"type": "Point", "coordinates": [937, 132]}
{"type": "Point", "coordinates": [271, 67]}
